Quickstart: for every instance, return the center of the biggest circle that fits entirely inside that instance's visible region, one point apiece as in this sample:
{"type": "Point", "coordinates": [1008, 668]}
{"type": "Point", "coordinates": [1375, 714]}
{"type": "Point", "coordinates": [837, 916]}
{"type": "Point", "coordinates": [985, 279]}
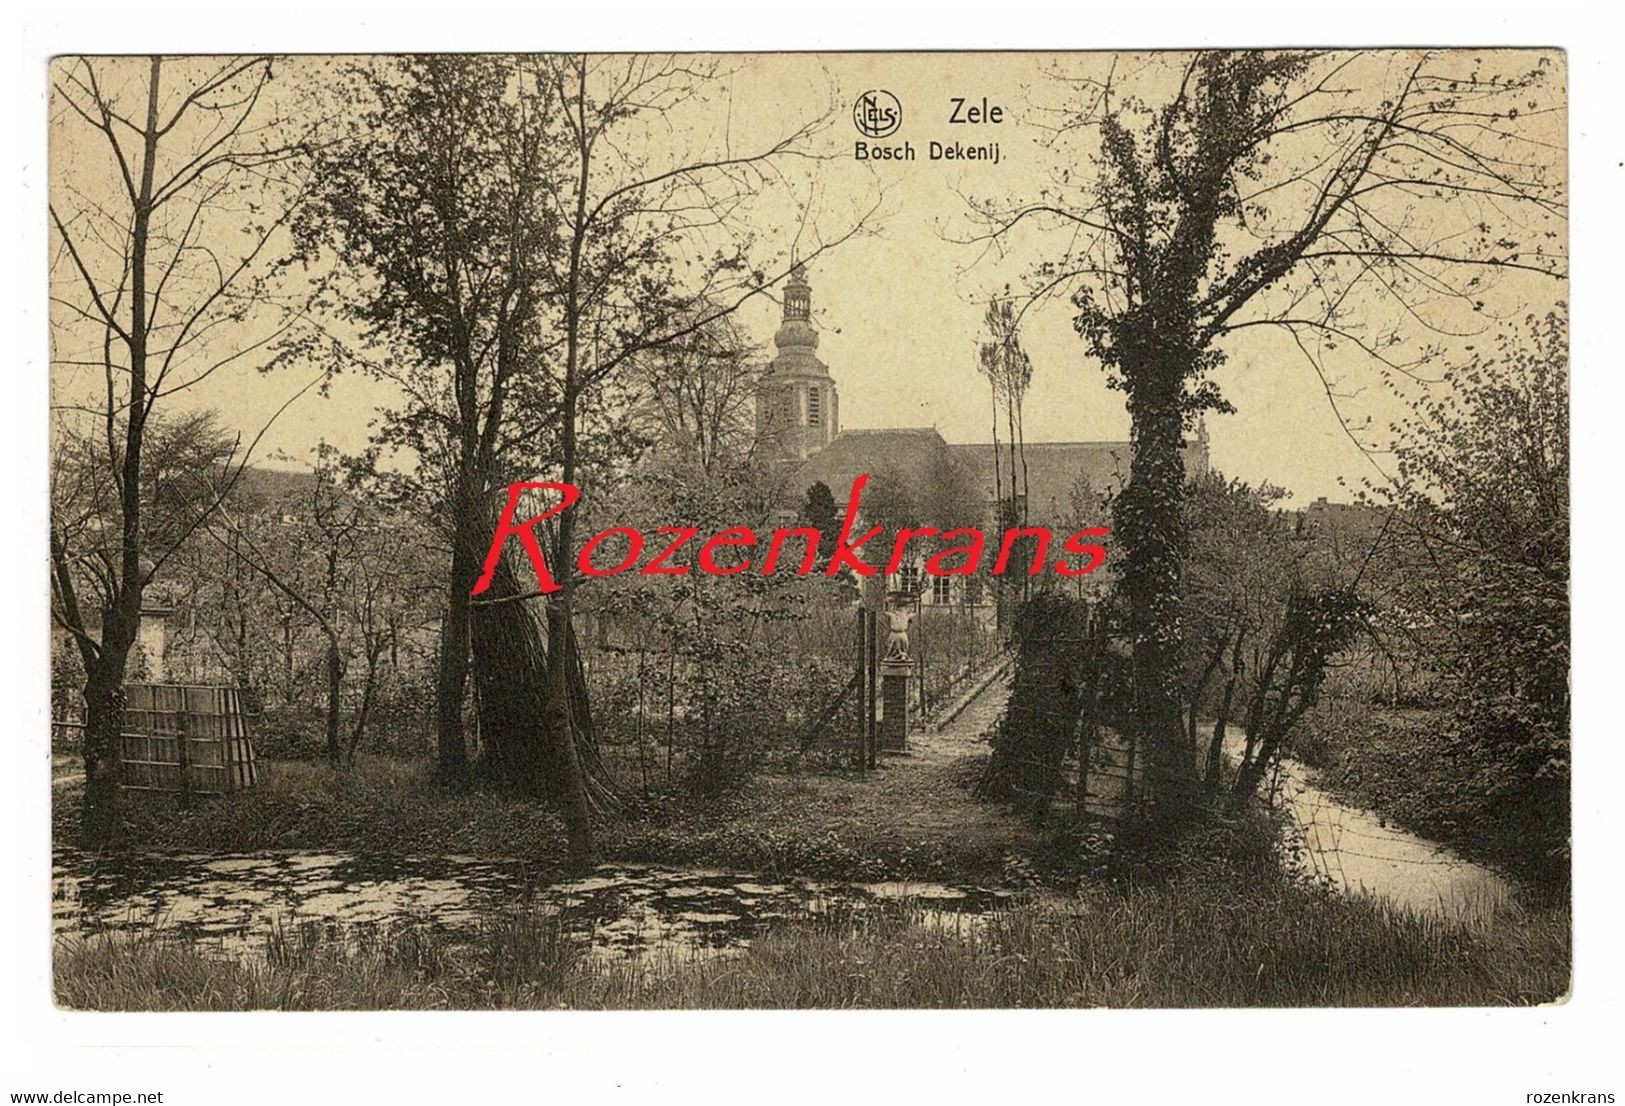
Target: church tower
{"type": "Point", "coordinates": [797, 408]}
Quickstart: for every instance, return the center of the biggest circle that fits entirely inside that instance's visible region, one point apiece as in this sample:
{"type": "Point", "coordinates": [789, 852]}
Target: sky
{"type": "Point", "coordinates": [900, 307]}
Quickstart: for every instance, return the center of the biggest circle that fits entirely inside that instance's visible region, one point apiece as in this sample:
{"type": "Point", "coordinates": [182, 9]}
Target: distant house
{"type": "Point", "coordinates": [797, 421]}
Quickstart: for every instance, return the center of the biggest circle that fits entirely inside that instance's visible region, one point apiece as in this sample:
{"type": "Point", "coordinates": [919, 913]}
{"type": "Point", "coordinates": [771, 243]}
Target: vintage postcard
{"type": "Point", "coordinates": [849, 530]}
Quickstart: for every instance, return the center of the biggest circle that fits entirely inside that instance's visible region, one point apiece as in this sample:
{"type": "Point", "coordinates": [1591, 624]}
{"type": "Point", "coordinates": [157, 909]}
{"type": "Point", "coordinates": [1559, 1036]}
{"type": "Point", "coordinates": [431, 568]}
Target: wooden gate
{"type": "Point", "coordinates": [187, 740]}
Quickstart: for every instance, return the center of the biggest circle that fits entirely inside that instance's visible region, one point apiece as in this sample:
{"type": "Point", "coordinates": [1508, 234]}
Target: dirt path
{"type": "Point", "coordinates": [966, 735]}
{"type": "Point", "coordinates": [919, 797]}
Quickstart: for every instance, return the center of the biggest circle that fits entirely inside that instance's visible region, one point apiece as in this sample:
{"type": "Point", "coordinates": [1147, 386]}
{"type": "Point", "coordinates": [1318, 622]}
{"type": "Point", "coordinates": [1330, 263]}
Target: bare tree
{"type": "Point", "coordinates": [312, 566]}
{"type": "Point", "coordinates": [176, 183]}
{"type": "Point", "coordinates": [623, 224]}
{"type": "Point", "coordinates": [1355, 200]}
{"type": "Point", "coordinates": [1009, 373]}
{"type": "Point", "coordinates": [698, 394]}
{"type": "Point", "coordinates": [431, 203]}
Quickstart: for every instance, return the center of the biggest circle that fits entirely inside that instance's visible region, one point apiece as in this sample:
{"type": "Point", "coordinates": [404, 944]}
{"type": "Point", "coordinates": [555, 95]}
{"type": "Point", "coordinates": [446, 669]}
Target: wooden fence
{"type": "Point", "coordinates": [183, 739]}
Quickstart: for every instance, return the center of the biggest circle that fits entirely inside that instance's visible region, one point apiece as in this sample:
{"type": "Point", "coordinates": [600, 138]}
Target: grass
{"type": "Point", "coordinates": [1233, 933]}
{"type": "Point", "coordinates": [1180, 944]}
{"type": "Point", "coordinates": [914, 818]}
{"type": "Point", "coordinates": [381, 805]}
{"type": "Point", "coordinates": [1401, 763]}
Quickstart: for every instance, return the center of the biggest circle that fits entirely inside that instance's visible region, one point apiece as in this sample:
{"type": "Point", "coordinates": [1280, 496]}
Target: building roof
{"type": "Point", "coordinates": [1048, 470]}
{"type": "Point", "coordinates": [908, 453]}
{"type": "Point", "coordinates": [1355, 525]}
{"type": "Point", "coordinates": [266, 485]}
{"type": "Point", "coordinates": [1052, 469]}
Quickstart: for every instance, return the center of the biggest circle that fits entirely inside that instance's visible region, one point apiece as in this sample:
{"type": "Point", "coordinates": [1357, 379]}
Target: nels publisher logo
{"type": "Point", "coordinates": [877, 114]}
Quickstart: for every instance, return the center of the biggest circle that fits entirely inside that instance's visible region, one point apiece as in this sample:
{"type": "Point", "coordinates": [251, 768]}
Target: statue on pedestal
{"type": "Point", "coordinates": [898, 619]}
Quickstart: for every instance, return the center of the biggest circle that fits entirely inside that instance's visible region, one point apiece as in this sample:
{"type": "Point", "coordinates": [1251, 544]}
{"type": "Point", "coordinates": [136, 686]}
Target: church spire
{"type": "Point", "coordinates": [797, 406]}
{"type": "Point", "coordinates": [797, 295]}
{"type": "Point", "coordinates": [797, 333]}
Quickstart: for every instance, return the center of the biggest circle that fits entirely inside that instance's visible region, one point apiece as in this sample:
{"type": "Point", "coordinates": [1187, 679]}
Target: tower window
{"type": "Point", "coordinates": [814, 399]}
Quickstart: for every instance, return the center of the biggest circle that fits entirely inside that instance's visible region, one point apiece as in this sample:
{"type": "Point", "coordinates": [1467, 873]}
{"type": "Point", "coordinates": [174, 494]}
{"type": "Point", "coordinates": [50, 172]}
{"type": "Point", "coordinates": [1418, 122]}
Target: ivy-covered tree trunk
{"type": "Point", "coordinates": [561, 734]}
{"type": "Point", "coordinates": [1149, 519]}
{"type": "Point", "coordinates": [558, 717]}
{"type": "Point", "coordinates": [104, 722]}
{"type": "Point", "coordinates": [1259, 191]}
{"type": "Point", "coordinates": [510, 681]}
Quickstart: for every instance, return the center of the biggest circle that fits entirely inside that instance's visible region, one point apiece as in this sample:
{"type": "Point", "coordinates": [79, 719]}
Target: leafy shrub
{"type": "Point", "coordinates": [1036, 730]}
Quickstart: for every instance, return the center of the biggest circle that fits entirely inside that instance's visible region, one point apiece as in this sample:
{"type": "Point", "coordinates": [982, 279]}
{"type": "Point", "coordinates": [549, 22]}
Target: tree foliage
{"type": "Point", "coordinates": [1298, 192]}
{"type": "Point", "coordinates": [183, 177]}
{"type": "Point", "coordinates": [430, 212]}
{"type": "Point", "coordinates": [1482, 488]}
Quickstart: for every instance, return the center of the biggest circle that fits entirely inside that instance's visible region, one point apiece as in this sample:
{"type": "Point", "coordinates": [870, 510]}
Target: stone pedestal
{"type": "Point", "coordinates": [152, 634]}
{"type": "Point", "coordinates": [894, 705]}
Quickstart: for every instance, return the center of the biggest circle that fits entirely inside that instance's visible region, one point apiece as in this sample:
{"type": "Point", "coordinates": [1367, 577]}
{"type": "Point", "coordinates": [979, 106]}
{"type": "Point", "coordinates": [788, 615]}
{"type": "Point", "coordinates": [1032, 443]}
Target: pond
{"type": "Point", "coordinates": [622, 912]}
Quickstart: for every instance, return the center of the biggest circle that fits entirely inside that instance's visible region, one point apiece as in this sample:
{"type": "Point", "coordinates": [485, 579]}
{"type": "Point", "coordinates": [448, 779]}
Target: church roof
{"type": "Point", "coordinates": [905, 452]}
{"type": "Point", "coordinates": [913, 453]}
{"type": "Point", "coordinates": [1052, 468]}
{"type": "Point", "coordinates": [264, 485]}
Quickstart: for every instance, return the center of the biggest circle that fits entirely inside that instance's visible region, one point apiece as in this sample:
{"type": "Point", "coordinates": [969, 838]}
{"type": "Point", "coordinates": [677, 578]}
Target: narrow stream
{"type": "Point", "coordinates": [642, 913]}
{"type": "Point", "coordinates": [1360, 852]}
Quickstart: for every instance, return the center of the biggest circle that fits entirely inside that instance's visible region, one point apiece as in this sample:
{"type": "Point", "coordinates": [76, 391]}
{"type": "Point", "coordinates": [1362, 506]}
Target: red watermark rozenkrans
{"type": "Point", "coordinates": [960, 552]}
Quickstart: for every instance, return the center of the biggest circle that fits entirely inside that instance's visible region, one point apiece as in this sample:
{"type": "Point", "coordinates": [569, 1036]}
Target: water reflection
{"type": "Point", "coordinates": [623, 912]}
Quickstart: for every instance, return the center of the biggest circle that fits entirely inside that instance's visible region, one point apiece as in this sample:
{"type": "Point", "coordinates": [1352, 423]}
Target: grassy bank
{"type": "Point", "coordinates": [912, 819]}
{"type": "Point", "coordinates": [1405, 764]}
{"type": "Point", "coordinates": [1183, 944]}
